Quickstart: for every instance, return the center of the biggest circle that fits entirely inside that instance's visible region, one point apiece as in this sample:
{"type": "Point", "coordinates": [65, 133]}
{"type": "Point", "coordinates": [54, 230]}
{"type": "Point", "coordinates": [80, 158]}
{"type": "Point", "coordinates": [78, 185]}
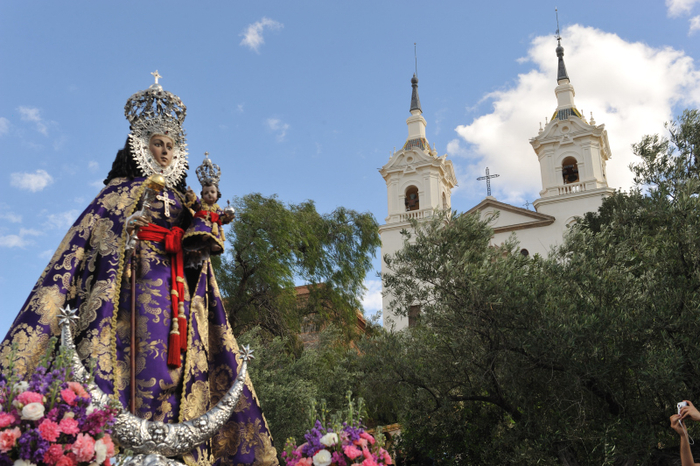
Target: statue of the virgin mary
{"type": "Point", "coordinates": [187, 356]}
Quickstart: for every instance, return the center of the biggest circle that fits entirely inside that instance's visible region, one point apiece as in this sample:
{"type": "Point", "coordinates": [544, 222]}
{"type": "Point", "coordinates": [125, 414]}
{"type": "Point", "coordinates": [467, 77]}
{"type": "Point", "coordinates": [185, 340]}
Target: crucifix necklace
{"type": "Point", "coordinates": [167, 202]}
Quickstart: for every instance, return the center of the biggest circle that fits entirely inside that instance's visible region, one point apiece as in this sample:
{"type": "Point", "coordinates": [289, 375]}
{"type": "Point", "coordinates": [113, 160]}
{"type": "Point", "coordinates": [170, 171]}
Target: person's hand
{"type": "Point", "coordinates": [135, 222]}
{"type": "Point", "coordinates": [216, 248]}
{"type": "Point", "coordinates": [190, 195]}
{"type": "Point", "coordinates": [227, 217]}
{"type": "Point", "coordinates": [690, 412]}
{"type": "Point", "coordinates": [675, 425]}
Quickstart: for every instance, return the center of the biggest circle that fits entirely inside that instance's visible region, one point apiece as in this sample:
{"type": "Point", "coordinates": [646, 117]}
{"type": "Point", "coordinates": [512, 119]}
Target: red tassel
{"type": "Point", "coordinates": [183, 332]}
{"type": "Point", "coordinates": [174, 346]}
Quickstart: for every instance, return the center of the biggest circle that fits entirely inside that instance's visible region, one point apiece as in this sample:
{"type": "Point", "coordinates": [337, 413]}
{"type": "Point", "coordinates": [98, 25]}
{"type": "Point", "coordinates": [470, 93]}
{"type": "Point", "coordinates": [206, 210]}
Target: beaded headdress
{"type": "Point", "coordinates": [208, 173]}
{"type": "Point", "coordinates": [151, 112]}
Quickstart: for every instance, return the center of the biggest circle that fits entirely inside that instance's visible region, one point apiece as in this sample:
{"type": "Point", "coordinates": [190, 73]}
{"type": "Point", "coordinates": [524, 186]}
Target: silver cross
{"type": "Point", "coordinates": [167, 202]}
{"type": "Point", "coordinates": [156, 75]}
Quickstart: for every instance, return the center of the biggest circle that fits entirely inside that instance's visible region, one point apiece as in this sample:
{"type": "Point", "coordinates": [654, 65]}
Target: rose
{"type": "Point", "coordinates": [20, 387]}
{"type": "Point", "coordinates": [322, 458]}
{"type": "Point", "coordinates": [329, 439]}
{"type": "Point", "coordinates": [8, 438]}
{"type": "Point", "coordinates": [33, 411]}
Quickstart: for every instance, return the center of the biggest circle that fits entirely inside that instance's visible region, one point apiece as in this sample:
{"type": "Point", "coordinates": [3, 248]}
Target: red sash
{"type": "Point", "coordinates": [172, 240]}
{"type": "Point", "coordinates": [213, 216]}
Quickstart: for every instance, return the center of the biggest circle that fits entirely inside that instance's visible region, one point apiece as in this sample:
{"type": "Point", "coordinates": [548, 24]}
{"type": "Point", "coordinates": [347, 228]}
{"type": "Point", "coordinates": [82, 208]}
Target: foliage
{"type": "Point", "coordinates": [288, 384]}
{"type": "Point", "coordinates": [575, 358]}
{"type": "Point", "coordinates": [273, 245]}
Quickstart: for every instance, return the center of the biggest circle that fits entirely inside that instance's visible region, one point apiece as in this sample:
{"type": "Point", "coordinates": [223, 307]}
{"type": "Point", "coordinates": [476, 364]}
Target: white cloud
{"type": "Point", "coordinates": [4, 126]}
{"type": "Point", "coordinates": [47, 254]}
{"type": "Point", "coordinates": [62, 220]}
{"type": "Point", "coordinates": [252, 36]}
{"type": "Point", "coordinates": [372, 299]}
{"type": "Point", "coordinates": [694, 24]}
{"type": "Point", "coordinates": [605, 71]}
{"type": "Point", "coordinates": [279, 127]}
{"type": "Point", "coordinates": [680, 7]}
{"type": "Point", "coordinates": [31, 181]}
{"type": "Point", "coordinates": [33, 115]}
{"type": "Point", "coordinates": [93, 166]}
{"type": "Point", "coordinates": [240, 108]}
{"type": "Point", "coordinates": [11, 217]}
{"type": "Point", "coordinates": [20, 240]}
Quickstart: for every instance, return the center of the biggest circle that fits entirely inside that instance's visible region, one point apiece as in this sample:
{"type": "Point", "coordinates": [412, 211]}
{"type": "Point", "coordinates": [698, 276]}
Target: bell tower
{"type": "Point", "coordinates": [419, 183]}
{"type": "Point", "coordinates": [572, 153]}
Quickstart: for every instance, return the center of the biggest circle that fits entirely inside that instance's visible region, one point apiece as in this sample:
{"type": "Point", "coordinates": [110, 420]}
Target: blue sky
{"type": "Point", "coordinates": [306, 99]}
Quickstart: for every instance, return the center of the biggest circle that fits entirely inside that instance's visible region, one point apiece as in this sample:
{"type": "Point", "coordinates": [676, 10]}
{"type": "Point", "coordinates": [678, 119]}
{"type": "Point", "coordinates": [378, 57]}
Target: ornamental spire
{"type": "Point", "coordinates": [415, 100]}
{"type": "Point", "coordinates": [561, 72]}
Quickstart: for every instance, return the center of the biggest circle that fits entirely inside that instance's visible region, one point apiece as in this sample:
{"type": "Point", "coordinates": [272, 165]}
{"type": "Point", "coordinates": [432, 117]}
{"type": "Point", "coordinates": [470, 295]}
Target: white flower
{"type": "Point", "coordinates": [90, 409]}
{"type": "Point", "coordinates": [100, 452]}
{"type": "Point", "coordinates": [20, 387]}
{"type": "Point", "coordinates": [68, 414]}
{"type": "Point", "coordinates": [322, 458]}
{"type": "Point", "coordinates": [23, 463]}
{"type": "Point", "coordinates": [33, 411]}
{"type": "Point", "coordinates": [329, 439]}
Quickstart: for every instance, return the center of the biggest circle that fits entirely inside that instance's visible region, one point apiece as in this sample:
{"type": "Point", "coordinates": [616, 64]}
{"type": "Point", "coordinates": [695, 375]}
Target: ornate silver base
{"type": "Point", "coordinates": [152, 460]}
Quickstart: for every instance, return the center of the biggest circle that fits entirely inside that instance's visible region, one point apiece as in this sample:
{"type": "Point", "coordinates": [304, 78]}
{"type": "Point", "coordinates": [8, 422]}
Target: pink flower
{"type": "Point", "coordinates": [366, 453]}
{"type": "Point", "coordinates": [6, 419]}
{"type": "Point", "coordinates": [67, 460]}
{"type": "Point", "coordinates": [78, 389]}
{"type": "Point", "coordinates": [8, 438]}
{"type": "Point", "coordinates": [49, 430]}
{"type": "Point", "coordinates": [68, 396]}
{"type": "Point", "coordinates": [84, 448]}
{"type": "Point", "coordinates": [367, 437]}
{"type": "Point", "coordinates": [362, 443]}
{"type": "Point", "coordinates": [53, 454]}
{"type": "Point", "coordinates": [305, 462]}
{"type": "Point", "coordinates": [369, 462]}
{"type": "Point", "coordinates": [385, 456]}
{"type": "Point", "coordinates": [107, 440]}
{"type": "Point", "coordinates": [29, 397]}
{"type": "Point", "coordinates": [351, 452]}
{"type": "Point", "coordinates": [69, 426]}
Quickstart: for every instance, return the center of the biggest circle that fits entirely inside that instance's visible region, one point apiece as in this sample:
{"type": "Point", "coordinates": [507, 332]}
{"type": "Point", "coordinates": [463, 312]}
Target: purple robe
{"type": "Point", "coordinates": [90, 270]}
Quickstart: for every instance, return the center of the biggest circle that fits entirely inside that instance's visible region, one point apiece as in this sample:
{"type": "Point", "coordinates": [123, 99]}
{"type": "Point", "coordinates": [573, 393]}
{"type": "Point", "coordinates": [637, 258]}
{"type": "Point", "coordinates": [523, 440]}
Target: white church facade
{"type": "Point", "coordinates": [572, 154]}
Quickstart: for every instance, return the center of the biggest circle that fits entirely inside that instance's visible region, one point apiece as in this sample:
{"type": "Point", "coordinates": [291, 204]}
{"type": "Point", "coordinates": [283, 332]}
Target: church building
{"type": "Point", "coordinates": [572, 154]}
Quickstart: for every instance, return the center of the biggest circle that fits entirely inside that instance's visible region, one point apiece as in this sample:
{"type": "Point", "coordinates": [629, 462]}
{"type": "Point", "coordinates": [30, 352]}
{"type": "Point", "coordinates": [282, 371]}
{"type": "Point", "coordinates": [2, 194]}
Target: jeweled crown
{"type": "Point", "coordinates": [156, 111]}
{"type": "Point", "coordinates": [208, 173]}
{"type": "Point", "coordinates": [155, 102]}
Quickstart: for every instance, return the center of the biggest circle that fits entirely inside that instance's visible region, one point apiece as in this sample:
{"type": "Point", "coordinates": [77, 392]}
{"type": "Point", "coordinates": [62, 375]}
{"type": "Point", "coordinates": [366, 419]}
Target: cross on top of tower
{"type": "Point", "coordinates": [488, 180]}
{"type": "Point", "coordinates": [156, 75]}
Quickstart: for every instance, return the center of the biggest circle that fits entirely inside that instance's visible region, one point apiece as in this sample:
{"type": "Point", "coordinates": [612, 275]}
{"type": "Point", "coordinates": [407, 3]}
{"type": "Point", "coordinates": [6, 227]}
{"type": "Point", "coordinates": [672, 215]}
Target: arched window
{"type": "Point", "coordinates": [412, 201]}
{"type": "Point", "coordinates": [569, 170]}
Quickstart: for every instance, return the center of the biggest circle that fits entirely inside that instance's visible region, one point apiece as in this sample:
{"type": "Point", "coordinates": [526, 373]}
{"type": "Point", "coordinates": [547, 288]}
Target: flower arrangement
{"type": "Point", "coordinates": [49, 420]}
{"type": "Point", "coordinates": [337, 444]}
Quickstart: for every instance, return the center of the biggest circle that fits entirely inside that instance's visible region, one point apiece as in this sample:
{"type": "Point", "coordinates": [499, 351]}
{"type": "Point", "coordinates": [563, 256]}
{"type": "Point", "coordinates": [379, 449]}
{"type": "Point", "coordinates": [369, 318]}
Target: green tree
{"type": "Point", "coordinates": [274, 245]}
{"type": "Point", "coordinates": [578, 358]}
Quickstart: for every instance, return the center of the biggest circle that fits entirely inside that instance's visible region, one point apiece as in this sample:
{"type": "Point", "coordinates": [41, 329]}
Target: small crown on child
{"type": "Point", "coordinates": [208, 173]}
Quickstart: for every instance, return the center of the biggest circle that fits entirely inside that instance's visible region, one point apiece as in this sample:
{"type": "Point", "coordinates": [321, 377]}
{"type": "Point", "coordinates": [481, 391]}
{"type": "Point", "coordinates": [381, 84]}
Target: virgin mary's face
{"type": "Point", "coordinates": [162, 149]}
